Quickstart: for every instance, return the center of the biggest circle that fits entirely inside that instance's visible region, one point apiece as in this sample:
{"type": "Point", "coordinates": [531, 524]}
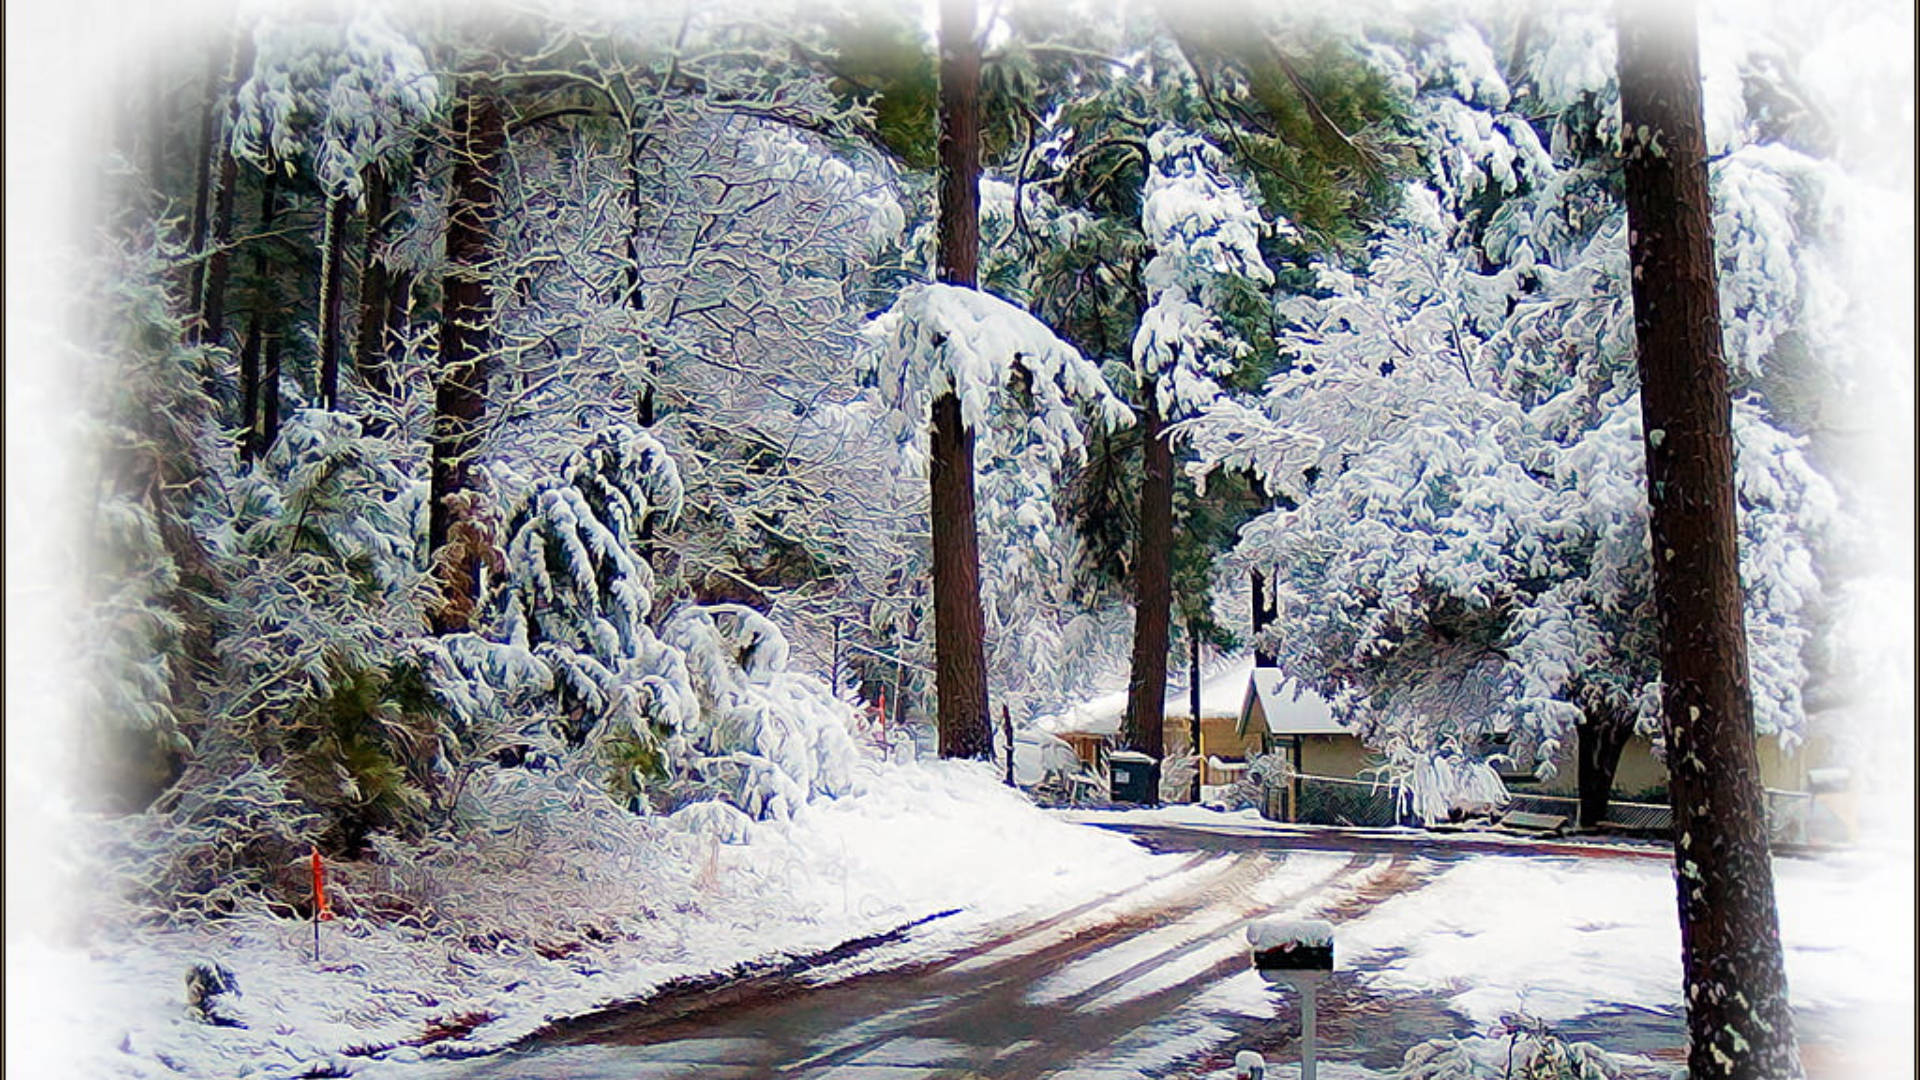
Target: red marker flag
{"type": "Point", "coordinates": [321, 909]}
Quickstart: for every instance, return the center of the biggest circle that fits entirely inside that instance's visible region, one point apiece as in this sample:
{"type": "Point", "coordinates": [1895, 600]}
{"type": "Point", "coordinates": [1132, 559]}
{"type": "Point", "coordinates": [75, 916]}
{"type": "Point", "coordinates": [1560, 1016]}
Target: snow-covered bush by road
{"type": "Point", "coordinates": [782, 732]}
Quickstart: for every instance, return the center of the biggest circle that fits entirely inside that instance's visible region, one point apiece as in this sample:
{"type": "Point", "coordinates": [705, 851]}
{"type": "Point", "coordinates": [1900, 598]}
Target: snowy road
{"type": "Point", "coordinates": [1108, 989]}
{"type": "Point", "coordinates": [1154, 981]}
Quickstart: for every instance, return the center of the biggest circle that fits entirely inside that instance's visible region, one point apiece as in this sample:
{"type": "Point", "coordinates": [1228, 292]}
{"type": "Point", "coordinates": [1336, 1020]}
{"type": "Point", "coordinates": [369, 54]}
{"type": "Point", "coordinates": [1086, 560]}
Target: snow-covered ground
{"type": "Point", "coordinates": [920, 839]}
{"type": "Point", "coordinates": [1561, 937]}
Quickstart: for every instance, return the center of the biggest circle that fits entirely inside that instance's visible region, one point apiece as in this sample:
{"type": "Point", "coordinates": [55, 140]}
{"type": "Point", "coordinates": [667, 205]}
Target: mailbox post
{"type": "Point", "coordinates": [1298, 953]}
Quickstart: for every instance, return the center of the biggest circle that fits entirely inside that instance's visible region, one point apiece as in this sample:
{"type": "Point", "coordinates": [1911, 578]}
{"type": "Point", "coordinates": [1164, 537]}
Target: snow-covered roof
{"type": "Point", "coordinates": [1222, 689]}
{"type": "Point", "coordinates": [1289, 709]}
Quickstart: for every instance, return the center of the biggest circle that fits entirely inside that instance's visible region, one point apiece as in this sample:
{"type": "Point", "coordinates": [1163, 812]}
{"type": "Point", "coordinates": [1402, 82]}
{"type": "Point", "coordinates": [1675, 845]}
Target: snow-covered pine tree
{"type": "Point", "coordinates": [466, 343]}
{"type": "Point", "coordinates": [571, 589]}
{"type": "Point", "coordinates": [332, 98]}
{"type": "Point", "coordinates": [1468, 551]}
{"type": "Point", "coordinates": [567, 664]}
{"type": "Point", "coordinates": [1204, 231]}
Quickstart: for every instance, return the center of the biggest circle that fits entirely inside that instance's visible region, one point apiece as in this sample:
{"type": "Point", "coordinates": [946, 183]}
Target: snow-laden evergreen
{"type": "Point", "coordinates": [336, 96]}
{"type": "Point", "coordinates": [1205, 231]}
{"type": "Point", "coordinates": [1468, 551]}
{"type": "Point", "coordinates": [1031, 400]}
{"type": "Point", "coordinates": [770, 738]}
{"type": "Point", "coordinates": [737, 315]}
{"type": "Point", "coordinates": [567, 664]}
{"type": "Point", "coordinates": [940, 338]}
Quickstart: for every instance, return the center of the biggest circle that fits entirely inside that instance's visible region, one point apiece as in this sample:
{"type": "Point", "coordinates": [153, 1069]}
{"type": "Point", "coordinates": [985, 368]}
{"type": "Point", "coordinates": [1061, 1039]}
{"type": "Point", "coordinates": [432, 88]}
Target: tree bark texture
{"type": "Point", "coordinates": [479, 140]}
{"type": "Point", "coordinates": [261, 325]}
{"type": "Point", "coordinates": [959, 629]}
{"type": "Point", "coordinates": [213, 310]}
{"type": "Point", "coordinates": [270, 390]}
{"type": "Point", "coordinates": [1601, 738]}
{"type": "Point", "coordinates": [1263, 606]}
{"type": "Point", "coordinates": [635, 293]}
{"type": "Point", "coordinates": [370, 347]}
{"type": "Point", "coordinates": [1153, 585]}
{"type": "Point", "coordinates": [1263, 616]}
{"type": "Point", "coordinates": [250, 391]}
{"type": "Point", "coordinates": [1735, 986]}
{"type": "Point", "coordinates": [333, 251]}
{"type": "Point", "coordinates": [202, 180]}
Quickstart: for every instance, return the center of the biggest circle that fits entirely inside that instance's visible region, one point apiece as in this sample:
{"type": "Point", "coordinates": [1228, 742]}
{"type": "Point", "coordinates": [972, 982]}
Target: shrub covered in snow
{"type": "Point", "coordinates": [1439, 785]}
{"type": "Point", "coordinates": [1524, 1050]}
{"type": "Point", "coordinates": [568, 663]}
{"type": "Point", "coordinates": [773, 738]}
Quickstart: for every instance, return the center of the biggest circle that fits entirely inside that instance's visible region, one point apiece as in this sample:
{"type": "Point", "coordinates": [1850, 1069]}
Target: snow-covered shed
{"type": "Point", "coordinates": [1095, 724]}
{"type": "Point", "coordinates": [1288, 719]}
{"type": "Point", "coordinates": [1299, 725]}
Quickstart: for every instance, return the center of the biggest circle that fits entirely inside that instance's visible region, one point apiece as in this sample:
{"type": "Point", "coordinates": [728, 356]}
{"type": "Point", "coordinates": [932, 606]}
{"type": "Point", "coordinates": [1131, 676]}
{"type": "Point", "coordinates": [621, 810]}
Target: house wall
{"type": "Point", "coordinates": [1086, 746]}
{"type": "Point", "coordinates": [1788, 771]}
{"type": "Point", "coordinates": [1219, 737]}
{"type": "Point", "coordinates": [1332, 755]}
{"type": "Point", "coordinates": [1640, 771]}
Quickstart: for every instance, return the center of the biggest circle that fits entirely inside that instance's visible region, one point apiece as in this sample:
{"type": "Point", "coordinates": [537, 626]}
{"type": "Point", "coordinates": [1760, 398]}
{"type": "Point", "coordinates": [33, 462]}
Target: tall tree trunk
{"type": "Point", "coordinates": [250, 390]}
{"type": "Point", "coordinates": [333, 244]}
{"type": "Point", "coordinates": [959, 629]}
{"type": "Point", "coordinates": [1263, 605]}
{"type": "Point", "coordinates": [634, 294]}
{"type": "Point", "coordinates": [635, 297]}
{"type": "Point", "coordinates": [213, 310]}
{"type": "Point", "coordinates": [399, 327]}
{"type": "Point", "coordinates": [253, 440]}
{"type": "Point", "coordinates": [156, 125]}
{"type": "Point", "coordinates": [270, 391]}
{"type": "Point", "coordinates": [1736, 992]}
{"type": "Point", "coordinates": [1152, 585]}
{"type": "Point", "coordinates": [1263, 615]}
{"type": "Point", "coordinates": [369, 346]}
{"type": "Point", "coordinates": [1601, 736]}
{"type": "Point", "coordinates": [479, 138]}
{"type": "Point", "coordinates": [202, 179]}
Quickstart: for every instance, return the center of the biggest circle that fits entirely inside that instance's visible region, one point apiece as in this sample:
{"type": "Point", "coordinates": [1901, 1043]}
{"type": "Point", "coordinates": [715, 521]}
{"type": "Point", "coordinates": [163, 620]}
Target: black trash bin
{"type": "Point", "coordinates": [1135, 777]}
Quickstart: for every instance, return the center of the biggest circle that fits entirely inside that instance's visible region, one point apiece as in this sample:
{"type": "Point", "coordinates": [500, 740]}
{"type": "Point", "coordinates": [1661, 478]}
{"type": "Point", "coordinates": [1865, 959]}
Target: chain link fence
{"type": "Point", "coordinates": [1330, 800]}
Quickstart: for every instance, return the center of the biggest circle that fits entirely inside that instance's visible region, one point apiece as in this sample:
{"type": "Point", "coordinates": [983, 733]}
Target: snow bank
{"type": "Point", "coordinates": [917, 840]}
{"type": "Point", "coordinates": [1562, 939]}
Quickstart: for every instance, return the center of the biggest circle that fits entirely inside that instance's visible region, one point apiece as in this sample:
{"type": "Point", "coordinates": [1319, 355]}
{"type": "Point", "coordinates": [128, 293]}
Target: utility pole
{"type": "Point", "coordinates": [1193, 704]}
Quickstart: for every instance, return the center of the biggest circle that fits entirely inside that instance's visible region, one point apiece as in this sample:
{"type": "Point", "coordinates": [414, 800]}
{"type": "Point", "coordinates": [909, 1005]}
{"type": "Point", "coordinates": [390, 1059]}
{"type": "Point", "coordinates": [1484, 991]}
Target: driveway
{"type": "Point", "coordinates": [1117, 987]}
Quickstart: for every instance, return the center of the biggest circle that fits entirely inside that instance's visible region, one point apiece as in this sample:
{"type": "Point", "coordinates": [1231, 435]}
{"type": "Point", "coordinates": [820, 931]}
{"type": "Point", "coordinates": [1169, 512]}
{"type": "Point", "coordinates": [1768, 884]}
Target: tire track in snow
{"type": "Point", "coordinates": [980, 1011]}
{"type": "Point", "coordinates": [984, 989]}
{"type": "Point", "coordinates": [1222, 923]}
{"type": "Point", "coordinates": [1163, 1012]}
{"type": "Point", "coordinates": [1029, 1039]}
